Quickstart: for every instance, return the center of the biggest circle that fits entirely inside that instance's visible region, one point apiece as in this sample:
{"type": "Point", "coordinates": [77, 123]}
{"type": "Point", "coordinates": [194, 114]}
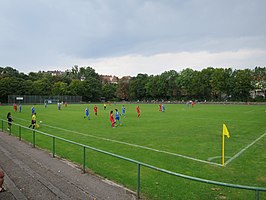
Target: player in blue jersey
{"type": "Point", "coordinates": [117, 117]}
{"type": "Point", "coordinates": [87, 114]}
{"type": "Point", "coordinates": [163, 108]}
{"type": "Point", "coordinates": [123, 111]}
{"type": "Point", "coordinates": [32, 110]}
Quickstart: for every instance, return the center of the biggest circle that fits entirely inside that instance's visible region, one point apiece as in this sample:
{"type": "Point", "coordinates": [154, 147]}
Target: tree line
{"type": "Point", "coordinates": [210, 84]}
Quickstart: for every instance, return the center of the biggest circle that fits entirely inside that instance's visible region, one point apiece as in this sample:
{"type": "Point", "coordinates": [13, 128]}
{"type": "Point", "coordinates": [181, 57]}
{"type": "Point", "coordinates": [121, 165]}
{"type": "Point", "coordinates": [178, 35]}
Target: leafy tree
{"type": "Point", "coordinates": [74, 72]}
{"type": "Point", "coordinates": [109, 91]}
{"type": "Point", "coordinates": [242, 85]}
{"type": "Point", "coordinates": [33, 76]}
{"type": "Point", "coordinates": [8, 72]}
{"type": "Point", "coordinates": [152, 88]}
{"type": "Point", "coordinates": [167, 84]}
{"type": "Point", "coordinates": [122, 89]}
{"type": "Point", "coordinates": [10, 86]}
{"type": "Point", "coordinates": [217, 83]}
{"type": "Point", "coordinates": [210, 83]}
{"type": "Point", "coordinates": [42, 87]}
{"type": "Point", "coordinates": [66, 77]}
{"type": "Point", "coordinates": [27, 87]}
{"type": "Point", "coordinates": [92, 88]}
{"type": "Point", "coordinates": [84, 82]}
{"type": "Point", "coordinates": [259, 79]}
{"type": "Point", "coordinates": [137, 87]}
{"type": "Point", "coordinates": [59, 88]}
{"type": "Point", "coordinates": [76, 87]}
{"type": "Point", "coordinates": [88, 72]}
{"type": "Point", "coordinates": [187, 83]}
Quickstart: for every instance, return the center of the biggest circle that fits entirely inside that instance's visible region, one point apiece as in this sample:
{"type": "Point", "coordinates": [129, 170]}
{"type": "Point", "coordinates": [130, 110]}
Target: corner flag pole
{"type": "Point", "coordinates": [222, 149]}
{"type": "Point", "coordinates": [225, 132]}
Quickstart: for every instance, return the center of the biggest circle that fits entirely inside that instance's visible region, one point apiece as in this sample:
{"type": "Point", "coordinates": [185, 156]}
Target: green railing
{"type": "Point", "coordinates": [139, 164]}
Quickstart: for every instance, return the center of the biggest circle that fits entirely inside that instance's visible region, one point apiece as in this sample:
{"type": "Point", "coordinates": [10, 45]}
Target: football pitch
{"type": "Point", "coordinates": [182, 139]}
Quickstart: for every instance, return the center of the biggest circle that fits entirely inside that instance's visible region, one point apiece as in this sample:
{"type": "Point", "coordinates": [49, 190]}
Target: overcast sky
{"type": "Point", "coordinates": [127, 37]}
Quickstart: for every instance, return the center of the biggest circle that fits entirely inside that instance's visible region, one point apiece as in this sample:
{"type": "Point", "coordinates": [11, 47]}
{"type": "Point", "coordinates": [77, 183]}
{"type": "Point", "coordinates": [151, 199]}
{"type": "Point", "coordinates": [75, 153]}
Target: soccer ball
{"type": "Point", "coordinates": [40, 122]}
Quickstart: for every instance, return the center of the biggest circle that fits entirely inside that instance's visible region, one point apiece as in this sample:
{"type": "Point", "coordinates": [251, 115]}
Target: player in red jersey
{"type": "Point", "coordinates": [95, 110]}
{"type": "Point", "coordinates": [112, 120]}
{"type": "Point", "coordinates": [138, 111]}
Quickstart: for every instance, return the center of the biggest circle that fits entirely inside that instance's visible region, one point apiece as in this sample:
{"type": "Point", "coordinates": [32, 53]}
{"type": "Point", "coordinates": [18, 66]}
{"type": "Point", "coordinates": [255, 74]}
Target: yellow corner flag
{"type": "Point", "coordinates": [225, 131]}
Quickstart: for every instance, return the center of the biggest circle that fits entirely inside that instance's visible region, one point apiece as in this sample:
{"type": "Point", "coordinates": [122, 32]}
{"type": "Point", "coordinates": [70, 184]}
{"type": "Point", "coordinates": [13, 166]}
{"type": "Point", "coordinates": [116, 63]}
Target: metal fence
{"type": "Point", "coordinates": [36, 99]}
{"type": "Point", "coordinates": [257, 190]}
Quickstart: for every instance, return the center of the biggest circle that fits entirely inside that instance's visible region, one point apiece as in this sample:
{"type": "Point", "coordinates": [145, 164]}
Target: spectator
{"type": "Point", "coordinates": [1, 180]}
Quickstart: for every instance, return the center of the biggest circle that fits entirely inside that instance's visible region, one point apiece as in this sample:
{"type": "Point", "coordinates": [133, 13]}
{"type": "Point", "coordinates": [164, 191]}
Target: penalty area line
{"type": "Point", "coordinates": [244, 149]}
{"type": "Point", "coordinates": [130, 144]}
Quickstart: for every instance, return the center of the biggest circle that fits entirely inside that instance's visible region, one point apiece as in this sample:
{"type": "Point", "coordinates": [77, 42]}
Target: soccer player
{"type": "Point", "coordinates": [117, 117]}
{"type": "Point", "coordinates": [95, 110]}
{"type": "Point", "coordinates": [33, 121]}
{"type": "Point", "coordinates": [163, 108]}
{"type": "Point", "coordinates": [87, 114]}
{"type": "Point", "coordinates": [15, 107]}
{"type": "Point", "coordinates": [20, 108]}
{"type": "Point", "coordinates": [138, 111]}
{"type": "Point", "coordinates": [160, 107]}
{"type": "Point", "coordinates": [9, 120]}
{"type": "Point", "coordinates": [112, 120]}
{"type": "Point", "coordinates": [104, 106]}
{"type": "Point", "coordinates": [32, 110]}
{"type": "Point", "coordinates": [59, 106]}
{"type": "Point", "coordinates": [123, 111]}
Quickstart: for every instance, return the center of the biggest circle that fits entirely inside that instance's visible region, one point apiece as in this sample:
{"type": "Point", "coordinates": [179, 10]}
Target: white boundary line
{"type": "Point", "coordinates": [244, 149]}
{"type": "Point", "coordinates": [249, 111]}
{"type": "Point", "coordinates": [129, 144]}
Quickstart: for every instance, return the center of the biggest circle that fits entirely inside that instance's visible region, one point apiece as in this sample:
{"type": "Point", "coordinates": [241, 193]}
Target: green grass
{"type": "Point", "coordinates": [192, 132]}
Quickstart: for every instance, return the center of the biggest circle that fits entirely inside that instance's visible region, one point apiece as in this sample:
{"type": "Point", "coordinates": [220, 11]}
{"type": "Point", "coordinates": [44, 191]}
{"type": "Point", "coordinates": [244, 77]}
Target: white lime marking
{"type": "Point", "coordinates": [217, 157]}
{"type": "Point", "coordinates": [129, 144]}
{"type": "Point", "coordinates": [244, 149]}
{"type": "Point", "coordinates": [249, 111]}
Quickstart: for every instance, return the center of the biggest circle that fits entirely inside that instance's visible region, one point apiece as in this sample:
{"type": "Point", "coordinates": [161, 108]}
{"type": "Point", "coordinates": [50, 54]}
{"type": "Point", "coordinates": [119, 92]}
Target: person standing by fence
{"type": "Point", "coordinates": [9, 120]}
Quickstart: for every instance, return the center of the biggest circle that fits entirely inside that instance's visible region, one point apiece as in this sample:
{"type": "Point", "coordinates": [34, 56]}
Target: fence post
{"type": "Point", "coordinates": [257, 197]}
{"type": "Point", "coordinates": [53, 147]}
{"type": "Point", "coordinates": [19, 132]}
{"type": "Point", "coordinates": [138, 187]}
{"type": "Point", "coordinates": [84, 158]}
{"type": "Point", "coordinates": [33, 138]}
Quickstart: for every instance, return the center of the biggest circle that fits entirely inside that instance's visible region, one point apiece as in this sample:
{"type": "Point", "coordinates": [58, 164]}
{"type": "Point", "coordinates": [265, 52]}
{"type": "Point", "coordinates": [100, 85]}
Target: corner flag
{"type": "Point", "coordinates": [225, 131]}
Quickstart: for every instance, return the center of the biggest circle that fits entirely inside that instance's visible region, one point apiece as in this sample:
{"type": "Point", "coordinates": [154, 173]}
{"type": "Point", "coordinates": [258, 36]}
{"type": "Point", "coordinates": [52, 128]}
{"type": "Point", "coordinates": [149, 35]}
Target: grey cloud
{"type": "Point", "coordinates": [41, 31]}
